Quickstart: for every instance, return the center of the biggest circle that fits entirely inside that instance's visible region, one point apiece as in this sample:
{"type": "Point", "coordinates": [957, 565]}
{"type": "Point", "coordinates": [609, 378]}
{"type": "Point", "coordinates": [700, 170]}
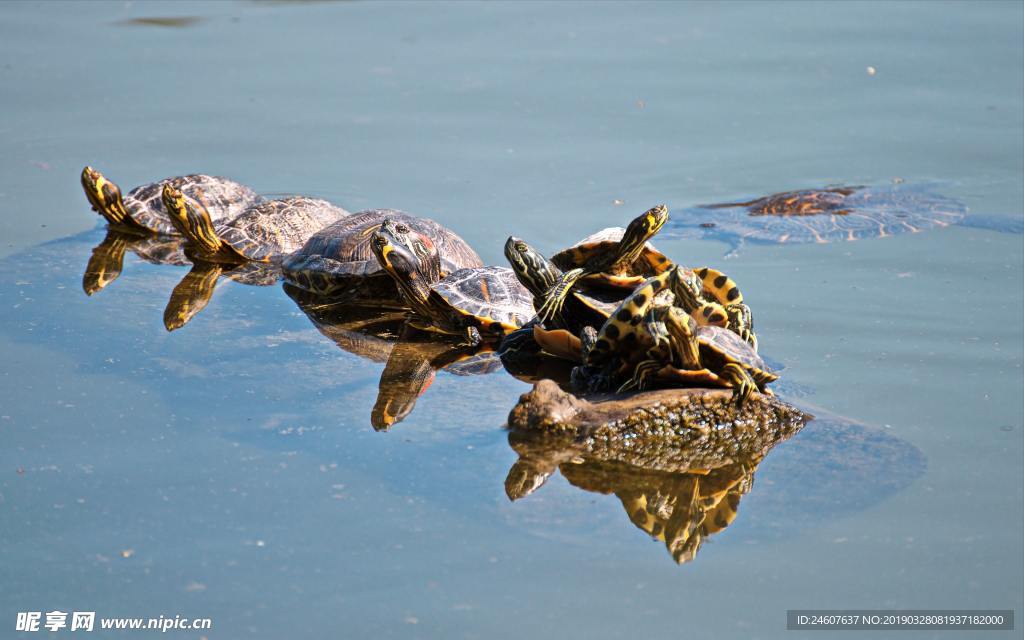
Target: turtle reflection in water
{"type": "Point", "coordinates": [833, 214]}
{"type": "Point", "coordinates": [381, 335]}
{"type": "Point", "coordinates": [192, 293]}
{"type": "Point", "coordinates": [680, 461]}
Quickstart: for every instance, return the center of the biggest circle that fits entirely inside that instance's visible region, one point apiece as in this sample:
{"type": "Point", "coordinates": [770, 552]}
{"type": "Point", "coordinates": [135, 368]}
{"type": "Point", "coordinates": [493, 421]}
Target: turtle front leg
{"type": "Point", "coordinates": [645, 370]}
{"type": "Point", "coordinates": [742, 384]}
{"type": "Point", "coordinates": [555, 296]}
{"type": "Point", "coordinates": [741, 322]}
{"type": "Point", "coordinates": [473, 337]}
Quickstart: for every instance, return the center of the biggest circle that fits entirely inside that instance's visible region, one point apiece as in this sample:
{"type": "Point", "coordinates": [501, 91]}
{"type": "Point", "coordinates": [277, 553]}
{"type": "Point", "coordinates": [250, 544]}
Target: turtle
{"type": "Point", "coordinates": [831, 214]}
{"type": "Point", "coordinates": [142, 210]}
{"type": "Point", "coordinates": [265, 232]}
{"type": "Point", "coordinates": [337, 261]}
{"type": "Point", "coordinates": [622, 332]}
{"type": "Point", "coordinates": [558, 336]}
{"type": "Point", "coordinates": [613, 257]}
{"type": "Point", "coordinates": [480, 303]}
{"type": "Point", "coordinates": [706, 355]}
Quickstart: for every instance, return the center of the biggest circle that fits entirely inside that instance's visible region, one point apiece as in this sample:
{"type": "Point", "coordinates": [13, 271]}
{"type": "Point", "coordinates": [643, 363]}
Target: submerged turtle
{"type": "Point", "coordinates": [142, 210]}
{"type": "Point", "coordinates": [613, 257]}
{"type": "Point", "coordinates": [482, 303]}
{"type": "Point", "coordinates": [338, 262]}
{"type": "Point", "coordinates": [833, 214]}
{"type": "Point", "coordinates": [265, 232]}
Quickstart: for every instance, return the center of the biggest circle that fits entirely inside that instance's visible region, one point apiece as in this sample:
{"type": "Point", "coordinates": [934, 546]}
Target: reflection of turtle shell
{"type": "Point", "coordinates": [368, 332]}
{"type": "Point", "coordinates": [223, 199]}
{"type": "Point", "coordinates": [823, 215]}
{"type": "Point", "coordinates": [338, 259]}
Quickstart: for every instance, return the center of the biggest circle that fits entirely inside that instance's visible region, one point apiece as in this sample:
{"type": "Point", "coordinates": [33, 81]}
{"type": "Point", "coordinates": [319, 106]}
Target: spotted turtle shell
{"type": "Point", "coordinates": [489, 295]}
{"type": "Point", "coordinates": [222, 198]}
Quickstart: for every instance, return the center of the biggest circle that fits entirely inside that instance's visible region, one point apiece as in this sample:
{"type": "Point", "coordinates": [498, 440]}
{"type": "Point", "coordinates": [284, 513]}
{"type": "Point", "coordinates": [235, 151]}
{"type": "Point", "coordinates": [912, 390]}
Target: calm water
{"type": "Point", "coordinates": [229, 469]}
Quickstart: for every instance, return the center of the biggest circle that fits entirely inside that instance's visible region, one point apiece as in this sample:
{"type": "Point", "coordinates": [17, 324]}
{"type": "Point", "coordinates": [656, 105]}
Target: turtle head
{"type": "Point", "coordinates": [196, 226]}
{"type": "Point", "coordinates": [642, 229]}
{"type": "Point", "coordinates": [686, 287]}
{"type": "Point", "coordinates": [408, 257]}
{"type": "Point", "coordinates": [681, 331]}
{"type": "Point", "coordinates": [104, 196]}
{"type": "Point", "coordinates": [533, 270]}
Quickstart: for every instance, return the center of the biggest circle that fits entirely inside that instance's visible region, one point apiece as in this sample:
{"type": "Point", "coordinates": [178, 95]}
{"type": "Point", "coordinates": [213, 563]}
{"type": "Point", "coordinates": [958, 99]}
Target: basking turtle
{"type": "Point", "coordinates": [685, 353]}
{"type": "Point", "coordinates": [559, 335]}
{"type": "Point", "coordinates": [612, 257]}
{"type": "Point", "coordinates": [265, 232]}
{"type": "Point", "coordinates": [337, 262]}
{"type": "Point", "coordinates": [142, 210]}
{"type": "Point", "coordinates": [481, 303]}
{"type": "Point", "coordinates": [834, 214]}
{"type": "Point", "coordinates": [622, 333]}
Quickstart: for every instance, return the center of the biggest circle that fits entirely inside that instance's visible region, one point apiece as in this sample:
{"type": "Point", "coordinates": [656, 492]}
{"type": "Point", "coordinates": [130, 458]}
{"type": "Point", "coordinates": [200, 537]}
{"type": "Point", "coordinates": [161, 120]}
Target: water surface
{"type": "Point", "coordinates": [229, 469]}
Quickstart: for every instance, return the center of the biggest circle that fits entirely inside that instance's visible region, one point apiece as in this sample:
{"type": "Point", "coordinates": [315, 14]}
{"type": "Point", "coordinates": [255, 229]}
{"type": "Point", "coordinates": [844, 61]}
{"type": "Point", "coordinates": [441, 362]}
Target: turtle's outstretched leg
{"type": "Point", "coordinates": [555, 297]}
{"type": "Point", "coordinates": [741, 322]}
{"type": "Point", "coordinates": [645, 370]}
{"type": "Point", "coordinates": [743, 385]}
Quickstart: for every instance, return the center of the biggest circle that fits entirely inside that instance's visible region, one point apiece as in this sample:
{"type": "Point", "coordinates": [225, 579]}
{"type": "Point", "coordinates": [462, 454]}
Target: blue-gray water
{"type": "Point", "coordinates": [232, 461]}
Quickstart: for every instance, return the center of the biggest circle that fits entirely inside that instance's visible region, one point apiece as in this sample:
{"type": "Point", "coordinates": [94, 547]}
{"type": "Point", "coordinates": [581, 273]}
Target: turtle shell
{"type": "Point", "coordinates": [338, 256]}
{"type": "Point", "coordinates": [274, 228]}
{"type": "Point", "coordinates": [224, 199]}
{"type": "Point", "coordinates": [729, 346]}
{"type": "Point", "coordinates": [492, 298]}
{"type": "Point", "coordinates": [651, 261]}
{"type": "Point", "coordinates": [822, 215]}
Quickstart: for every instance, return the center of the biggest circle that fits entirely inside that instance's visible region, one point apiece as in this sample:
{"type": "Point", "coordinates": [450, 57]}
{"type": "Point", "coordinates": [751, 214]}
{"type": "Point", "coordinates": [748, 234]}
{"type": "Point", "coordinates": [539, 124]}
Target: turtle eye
{"type": "Point", "coordinates": [401, 228]}
{"type": "Point", "coordinates": [521, 247]}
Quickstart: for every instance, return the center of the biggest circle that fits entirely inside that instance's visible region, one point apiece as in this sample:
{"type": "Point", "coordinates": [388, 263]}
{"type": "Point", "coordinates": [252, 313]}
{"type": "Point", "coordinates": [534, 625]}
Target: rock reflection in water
{"type": "Point", "coordinates": [679, 461]}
